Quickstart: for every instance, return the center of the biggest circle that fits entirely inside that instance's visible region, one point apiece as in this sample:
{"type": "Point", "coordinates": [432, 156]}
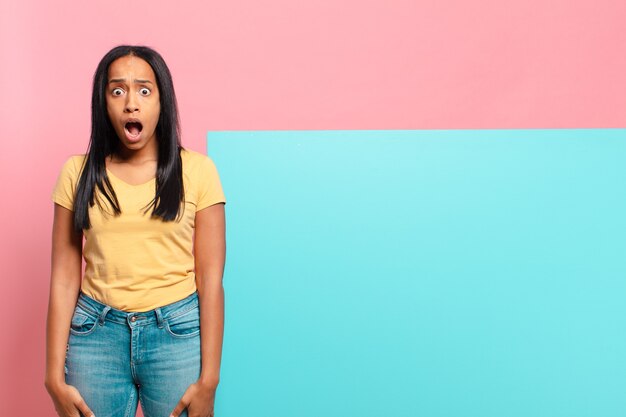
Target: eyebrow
{"type": "Point", "coordinates": [122, 80]}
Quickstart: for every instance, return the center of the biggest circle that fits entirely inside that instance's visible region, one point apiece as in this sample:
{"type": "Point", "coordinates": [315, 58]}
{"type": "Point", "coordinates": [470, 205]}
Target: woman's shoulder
{"type": "Point", "coordinates": [74, 163]}
{"type": "Point", "coordinates": [79, 157]}
{"type": "Point", "coordinates": [194, 160]}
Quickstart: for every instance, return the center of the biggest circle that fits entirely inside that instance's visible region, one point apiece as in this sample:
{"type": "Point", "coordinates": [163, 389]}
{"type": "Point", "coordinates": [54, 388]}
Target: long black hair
{"type": "Point", "coordinates": [169, 191]}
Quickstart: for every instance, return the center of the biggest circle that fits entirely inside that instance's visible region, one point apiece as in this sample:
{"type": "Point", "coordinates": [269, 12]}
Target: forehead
{"type": "Point", "coordinates": [132, 67]}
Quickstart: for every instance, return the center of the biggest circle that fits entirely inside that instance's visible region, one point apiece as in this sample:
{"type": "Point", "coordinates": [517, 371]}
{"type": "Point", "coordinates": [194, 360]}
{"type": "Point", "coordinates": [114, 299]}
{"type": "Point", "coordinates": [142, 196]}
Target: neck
{"type": "Point", "coordinates": [147, 153]}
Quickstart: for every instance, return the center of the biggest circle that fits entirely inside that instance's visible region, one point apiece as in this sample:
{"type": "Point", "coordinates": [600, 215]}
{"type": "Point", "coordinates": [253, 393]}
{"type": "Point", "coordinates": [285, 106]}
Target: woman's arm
{"type": "Point", "coordinates": [210, 253]}
{"type": "Point", "coordinates": [64, 289]}
{"type": "Point", "coordinates": [67, 249]}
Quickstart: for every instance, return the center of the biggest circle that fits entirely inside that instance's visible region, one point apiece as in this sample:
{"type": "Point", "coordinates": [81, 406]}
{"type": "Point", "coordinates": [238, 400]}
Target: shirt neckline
{"type": "Point", "coordinates": [111, 174]}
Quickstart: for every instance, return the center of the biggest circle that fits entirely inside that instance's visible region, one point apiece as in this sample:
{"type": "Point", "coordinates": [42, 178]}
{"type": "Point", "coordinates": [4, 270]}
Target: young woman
{"type": "Point", "coordinates": [146, 322]}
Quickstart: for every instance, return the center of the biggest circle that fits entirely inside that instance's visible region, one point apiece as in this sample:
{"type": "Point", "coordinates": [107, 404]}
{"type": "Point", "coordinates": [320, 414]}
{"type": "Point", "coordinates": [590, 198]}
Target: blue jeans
{"type": "Point", "coordinates": [115, 358]}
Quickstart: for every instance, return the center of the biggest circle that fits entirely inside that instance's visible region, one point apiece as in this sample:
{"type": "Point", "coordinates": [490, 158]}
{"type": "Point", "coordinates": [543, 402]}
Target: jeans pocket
{"type": "Point", "coordinates": [83, 322]}
{"type": "Point", "coordinates": [184, 325]}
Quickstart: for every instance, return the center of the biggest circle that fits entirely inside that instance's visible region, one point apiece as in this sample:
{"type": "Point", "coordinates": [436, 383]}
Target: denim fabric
{"type": "Point", "coordinates": [116, 358]}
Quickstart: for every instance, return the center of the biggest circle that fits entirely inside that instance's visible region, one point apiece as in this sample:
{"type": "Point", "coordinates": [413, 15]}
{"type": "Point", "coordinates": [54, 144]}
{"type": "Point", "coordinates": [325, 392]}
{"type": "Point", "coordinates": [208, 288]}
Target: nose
{"type": "Point", "coordinates": [131, 103]}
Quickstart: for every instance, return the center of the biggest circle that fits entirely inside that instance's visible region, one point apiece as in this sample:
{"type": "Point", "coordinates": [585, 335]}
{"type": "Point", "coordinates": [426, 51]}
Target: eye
{"type": "Point", "coordinates": [117, 91]}
{"type": "Point", "coordinates": [144, 91]}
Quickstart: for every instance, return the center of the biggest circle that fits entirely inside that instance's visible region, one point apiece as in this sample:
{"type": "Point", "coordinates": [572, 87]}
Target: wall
{"type": "Point", "coordinates": [423, 272]}
{"type": "Point", "coordinates": [279, 65]}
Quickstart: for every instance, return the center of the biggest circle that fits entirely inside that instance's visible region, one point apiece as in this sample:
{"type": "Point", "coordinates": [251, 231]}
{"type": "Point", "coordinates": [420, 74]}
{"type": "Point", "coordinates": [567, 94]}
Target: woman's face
{"type": "Point", "coordinates": [132, 98]}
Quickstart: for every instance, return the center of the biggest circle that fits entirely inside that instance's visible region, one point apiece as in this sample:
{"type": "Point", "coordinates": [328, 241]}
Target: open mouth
{"type": "Point", "coordinates": [133, 129]}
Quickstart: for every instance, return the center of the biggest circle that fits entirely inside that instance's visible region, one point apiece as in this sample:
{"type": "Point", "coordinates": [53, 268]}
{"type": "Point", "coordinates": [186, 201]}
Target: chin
{"type": "Point", "coordinates": [142, 141]}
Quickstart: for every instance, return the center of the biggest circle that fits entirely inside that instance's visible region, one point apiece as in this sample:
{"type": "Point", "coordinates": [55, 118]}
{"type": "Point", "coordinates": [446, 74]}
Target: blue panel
{"type": "Point", "coordinates": [424, 273]}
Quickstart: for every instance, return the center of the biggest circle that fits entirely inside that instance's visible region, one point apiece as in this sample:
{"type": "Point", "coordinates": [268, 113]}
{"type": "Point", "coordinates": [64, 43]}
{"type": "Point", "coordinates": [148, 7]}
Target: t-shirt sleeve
{"type": "Point", "coordinates": [209, 186]}
{"type": "Point", "coordinates": [65, 187]}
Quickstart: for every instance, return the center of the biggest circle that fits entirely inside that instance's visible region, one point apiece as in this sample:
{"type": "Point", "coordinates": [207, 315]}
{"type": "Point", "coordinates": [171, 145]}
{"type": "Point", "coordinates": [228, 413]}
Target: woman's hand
{"type": "Point", "coordinates": [68, 401]}
{"type": "Point", "coordinates": [198, 400]}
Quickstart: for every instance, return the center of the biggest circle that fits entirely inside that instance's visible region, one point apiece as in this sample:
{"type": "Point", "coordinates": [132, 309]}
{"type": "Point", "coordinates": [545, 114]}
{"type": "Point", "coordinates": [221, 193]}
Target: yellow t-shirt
{"type": "Point", "coordinates": [133, 262]}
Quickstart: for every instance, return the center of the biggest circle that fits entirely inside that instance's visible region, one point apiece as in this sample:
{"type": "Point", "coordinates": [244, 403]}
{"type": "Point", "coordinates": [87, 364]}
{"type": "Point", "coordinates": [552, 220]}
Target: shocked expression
{"type": "Point", "coordinates": [132, 99]}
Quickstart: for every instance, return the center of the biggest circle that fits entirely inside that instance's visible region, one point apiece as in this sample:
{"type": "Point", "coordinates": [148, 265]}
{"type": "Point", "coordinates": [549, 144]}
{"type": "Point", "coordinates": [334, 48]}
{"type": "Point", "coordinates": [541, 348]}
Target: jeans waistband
{"type": "Point", "coordinates": [106, 312]}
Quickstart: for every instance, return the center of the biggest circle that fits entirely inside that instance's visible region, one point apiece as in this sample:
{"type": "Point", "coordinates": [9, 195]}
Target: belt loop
{"type": "Point", "coordinates": [103, 315]}
{"type": "Point", "coordinates": [159, 317]}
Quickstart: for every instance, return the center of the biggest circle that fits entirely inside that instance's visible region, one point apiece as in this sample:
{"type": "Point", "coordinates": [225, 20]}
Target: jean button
{"type": "Point", "coordinates": [133, 318]}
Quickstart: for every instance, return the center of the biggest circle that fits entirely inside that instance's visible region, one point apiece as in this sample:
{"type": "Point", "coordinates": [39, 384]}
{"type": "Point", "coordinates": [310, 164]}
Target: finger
{"type": "Point", "coordinates": [68, 412]}
{"type": "Point", "coordinates": [83, 408]}
{"type": "Point", "coordinates": [182, 404]}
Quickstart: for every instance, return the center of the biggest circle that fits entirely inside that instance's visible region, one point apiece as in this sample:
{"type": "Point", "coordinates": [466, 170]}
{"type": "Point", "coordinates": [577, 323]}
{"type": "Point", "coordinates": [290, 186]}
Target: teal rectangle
{"type": "Point", "coordinates": [424, 273]}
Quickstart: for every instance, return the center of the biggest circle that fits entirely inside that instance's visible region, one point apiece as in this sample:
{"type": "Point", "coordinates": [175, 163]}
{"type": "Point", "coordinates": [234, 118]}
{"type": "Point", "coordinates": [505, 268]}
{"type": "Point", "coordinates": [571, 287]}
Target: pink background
{"type": "Point", "coordinates": [278, 65]}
